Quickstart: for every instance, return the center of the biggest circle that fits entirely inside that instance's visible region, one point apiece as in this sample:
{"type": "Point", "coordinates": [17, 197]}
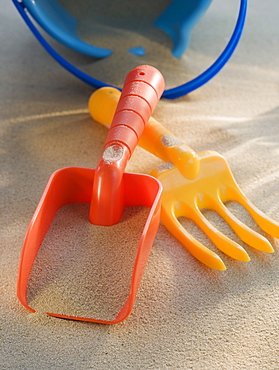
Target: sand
{"type": "Point", "coordinates": [186, 315]}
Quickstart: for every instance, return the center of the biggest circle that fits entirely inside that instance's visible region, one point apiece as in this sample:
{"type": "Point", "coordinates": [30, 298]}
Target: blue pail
{"type": "Point", "coordinates": [90, 27]}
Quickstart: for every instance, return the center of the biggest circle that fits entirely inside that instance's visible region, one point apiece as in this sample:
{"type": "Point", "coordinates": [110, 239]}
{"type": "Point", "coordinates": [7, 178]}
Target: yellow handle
{"type": "Point", "coordinates": [155, 139]}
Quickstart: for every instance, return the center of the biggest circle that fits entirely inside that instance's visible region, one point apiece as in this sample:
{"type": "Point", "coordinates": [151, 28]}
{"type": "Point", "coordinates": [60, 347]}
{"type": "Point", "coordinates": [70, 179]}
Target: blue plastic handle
{"type": "Point", "coordinates": [173, 93]}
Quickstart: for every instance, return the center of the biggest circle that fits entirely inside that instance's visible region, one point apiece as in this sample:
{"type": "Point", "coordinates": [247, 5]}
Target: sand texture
{"type": "Point", "coordinates": [186, 315]}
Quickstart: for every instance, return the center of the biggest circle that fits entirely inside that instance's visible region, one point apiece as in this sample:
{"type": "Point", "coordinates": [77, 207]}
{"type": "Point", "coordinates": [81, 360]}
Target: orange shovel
{"type": "Point", "coordinates": [107, 188]}
{"type": "Point", "coordinates": [192, 182]}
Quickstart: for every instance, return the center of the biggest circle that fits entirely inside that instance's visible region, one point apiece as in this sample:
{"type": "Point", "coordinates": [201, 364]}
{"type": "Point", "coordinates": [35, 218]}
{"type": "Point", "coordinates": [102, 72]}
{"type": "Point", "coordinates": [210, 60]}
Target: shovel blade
{"type": "Point", "coordinates": [74, 185]}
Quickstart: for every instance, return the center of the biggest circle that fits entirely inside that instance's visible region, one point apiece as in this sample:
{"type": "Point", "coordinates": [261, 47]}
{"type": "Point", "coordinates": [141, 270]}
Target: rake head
{"type": "Point", "coordinates": [213, 186]}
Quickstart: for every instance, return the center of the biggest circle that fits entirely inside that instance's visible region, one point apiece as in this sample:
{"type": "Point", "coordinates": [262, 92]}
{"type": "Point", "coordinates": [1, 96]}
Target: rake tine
{"type": "Point", "coordinates": [268, 225]}
{"type": "Point", "coordinates": [244, 232]}
{"type": "Point", "coordinates": [221, 241]}
{"type": "Point", "coordinates": [198, 250]}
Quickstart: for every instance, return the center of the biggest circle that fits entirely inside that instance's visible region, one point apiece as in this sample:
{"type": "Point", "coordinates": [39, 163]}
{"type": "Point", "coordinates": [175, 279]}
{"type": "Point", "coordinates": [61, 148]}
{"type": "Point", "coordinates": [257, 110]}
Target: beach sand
{"type": "Point", "coordinates": [186, 315]}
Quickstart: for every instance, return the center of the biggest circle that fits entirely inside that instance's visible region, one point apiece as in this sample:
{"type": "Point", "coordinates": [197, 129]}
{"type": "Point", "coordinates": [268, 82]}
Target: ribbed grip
{"type": "Point", "coordinates": [142, 90]}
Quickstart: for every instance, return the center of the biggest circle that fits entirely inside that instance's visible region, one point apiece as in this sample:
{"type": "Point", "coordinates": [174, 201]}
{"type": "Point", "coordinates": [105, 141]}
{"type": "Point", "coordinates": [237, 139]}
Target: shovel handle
{"type": "Point", "coordinates": [141, 92]}
{"type": "Point", "coordinates": [155, 139]}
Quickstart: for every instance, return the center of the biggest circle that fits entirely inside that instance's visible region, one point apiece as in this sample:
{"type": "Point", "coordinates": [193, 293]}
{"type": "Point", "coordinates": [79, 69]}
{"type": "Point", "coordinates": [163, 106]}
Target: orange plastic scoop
{"type": "Point", "coordinates": [107, 189]}
{"type": "Point", "coordinates": [192, 182]}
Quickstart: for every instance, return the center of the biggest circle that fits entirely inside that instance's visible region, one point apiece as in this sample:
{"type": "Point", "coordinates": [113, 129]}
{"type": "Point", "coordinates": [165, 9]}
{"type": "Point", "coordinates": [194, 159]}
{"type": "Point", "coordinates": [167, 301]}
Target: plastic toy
{"type": "Point", "coordinates": [177, 20]}
{"type": "Point", "coordinates": [107, 188]}
{"type": "Point", "coordinates": [193, 181]}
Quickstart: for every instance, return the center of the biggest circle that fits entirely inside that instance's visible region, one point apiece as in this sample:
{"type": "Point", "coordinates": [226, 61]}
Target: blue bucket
{"type": "Point", "coordinates": [84, 26]}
